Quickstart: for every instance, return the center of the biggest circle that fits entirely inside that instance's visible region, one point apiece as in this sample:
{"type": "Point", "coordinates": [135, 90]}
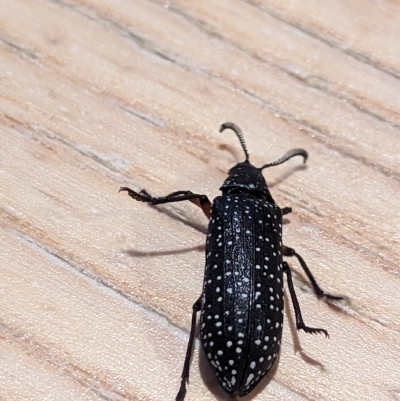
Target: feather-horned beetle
{"type": "Point", "coordinates": [242, 299]}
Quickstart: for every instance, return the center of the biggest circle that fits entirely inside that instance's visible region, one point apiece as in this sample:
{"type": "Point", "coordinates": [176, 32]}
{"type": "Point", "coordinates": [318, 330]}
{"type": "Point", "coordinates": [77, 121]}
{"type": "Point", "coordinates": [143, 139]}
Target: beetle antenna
{"type": "Point", "coordinates": [288, 155]}
{"type": "Point", "coordinates": [239, 134]}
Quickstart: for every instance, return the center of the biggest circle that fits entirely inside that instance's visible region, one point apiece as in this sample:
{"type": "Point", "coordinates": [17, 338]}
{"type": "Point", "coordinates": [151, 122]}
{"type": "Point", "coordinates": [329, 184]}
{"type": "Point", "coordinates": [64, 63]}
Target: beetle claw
{"type": "Point", "coordinates": [311, 330]}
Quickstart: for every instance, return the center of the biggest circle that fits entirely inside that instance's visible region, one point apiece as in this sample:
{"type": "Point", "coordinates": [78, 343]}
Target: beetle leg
{"type": "Point", "coordinates": [286, 210]}
{"type": "Point", "coordinates": [300, 325]}
{"type": "Point", "coordinates": [319, 292]}
{"type": "Point", "coordinates": [185, 373]}
{"type": "Point", "coordinates": [199, 200]}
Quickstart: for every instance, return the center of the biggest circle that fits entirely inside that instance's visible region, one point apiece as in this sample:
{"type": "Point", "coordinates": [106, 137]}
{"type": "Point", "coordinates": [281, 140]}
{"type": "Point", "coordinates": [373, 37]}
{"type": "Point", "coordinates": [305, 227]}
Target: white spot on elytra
{"type": "Point", "coordinates": [249, 379]}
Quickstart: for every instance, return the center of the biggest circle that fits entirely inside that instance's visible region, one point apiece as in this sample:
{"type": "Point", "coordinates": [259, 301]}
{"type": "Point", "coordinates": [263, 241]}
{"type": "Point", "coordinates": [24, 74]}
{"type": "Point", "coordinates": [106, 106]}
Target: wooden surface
{"type": "Point", "coordinates": [95, 289]}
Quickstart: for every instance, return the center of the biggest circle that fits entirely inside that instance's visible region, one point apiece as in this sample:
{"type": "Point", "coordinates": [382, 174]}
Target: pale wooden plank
{"type": "Point", "coordinates": [97, 95]}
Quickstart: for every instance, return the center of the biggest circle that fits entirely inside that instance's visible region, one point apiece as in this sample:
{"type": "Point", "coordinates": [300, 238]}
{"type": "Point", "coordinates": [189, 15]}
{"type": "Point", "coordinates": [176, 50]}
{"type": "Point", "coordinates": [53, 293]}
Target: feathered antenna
{"type": "Point", "coordinates": [288, 155]}
{"type": "Point", "coordinates": [239, 134]}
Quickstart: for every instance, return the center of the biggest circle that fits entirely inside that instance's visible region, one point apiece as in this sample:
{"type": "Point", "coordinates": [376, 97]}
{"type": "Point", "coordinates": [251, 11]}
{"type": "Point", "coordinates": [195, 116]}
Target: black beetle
{"type": "Point", "coordinates": [242, 299]}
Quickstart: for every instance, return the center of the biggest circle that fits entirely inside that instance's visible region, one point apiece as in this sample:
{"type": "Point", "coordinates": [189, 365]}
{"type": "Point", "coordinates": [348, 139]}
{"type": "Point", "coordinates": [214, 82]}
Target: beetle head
{"type": "Point", "coordinates": [248, 178]}
{"type": "Point", "coordinates": [245, 177]}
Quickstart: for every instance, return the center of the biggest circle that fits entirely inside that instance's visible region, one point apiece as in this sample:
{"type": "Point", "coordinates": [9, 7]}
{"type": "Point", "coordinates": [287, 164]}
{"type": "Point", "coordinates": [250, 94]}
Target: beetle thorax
{"type": "Point", "coordinates": [245, 177]}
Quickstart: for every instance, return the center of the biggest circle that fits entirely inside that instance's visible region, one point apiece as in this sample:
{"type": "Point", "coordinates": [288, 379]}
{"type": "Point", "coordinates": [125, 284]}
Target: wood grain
{"type": "Point", "coordinates": [96, 290]}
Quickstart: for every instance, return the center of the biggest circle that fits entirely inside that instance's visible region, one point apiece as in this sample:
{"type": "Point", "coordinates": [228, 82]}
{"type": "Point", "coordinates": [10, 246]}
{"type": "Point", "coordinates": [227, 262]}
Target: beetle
{"type": "Point", "coordinates": [241, 305]}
